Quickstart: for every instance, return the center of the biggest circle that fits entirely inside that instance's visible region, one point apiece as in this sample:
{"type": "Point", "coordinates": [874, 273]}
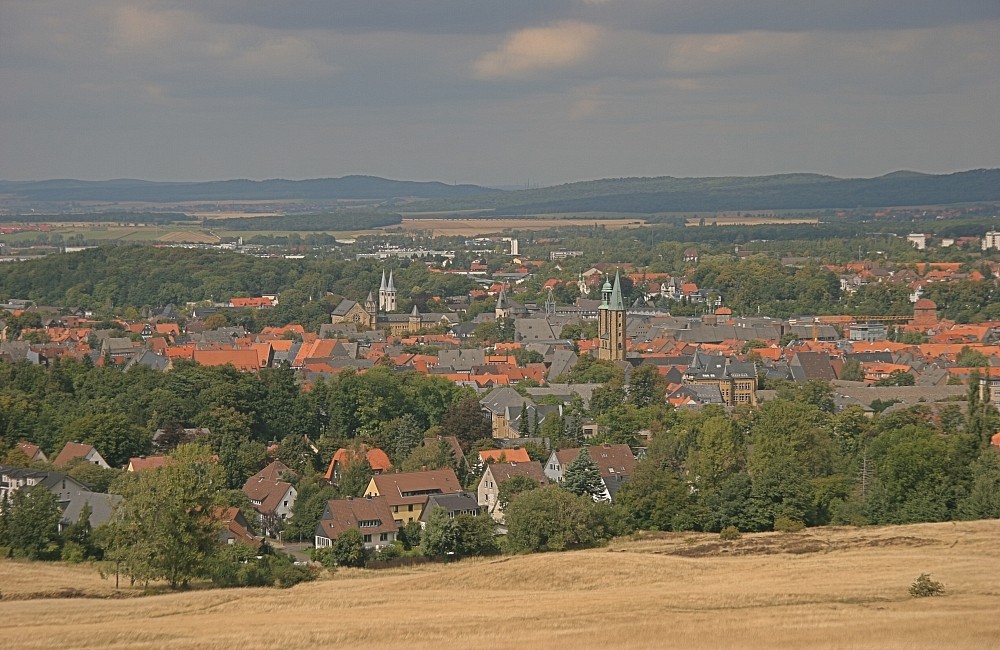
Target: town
{"type": "Point", "coordinates": [447, 397]}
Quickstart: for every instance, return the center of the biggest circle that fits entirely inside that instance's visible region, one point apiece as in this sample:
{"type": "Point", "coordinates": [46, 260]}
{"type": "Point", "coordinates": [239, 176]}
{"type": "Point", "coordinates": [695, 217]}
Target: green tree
{"type": "Point", "coordinates": [983, 499]}
{"type": "Point", "coordinates": [440, 537]}
{"type": "Point", "coordinates": [465, 420]}
{"type": "Point", "coordinates": [30, 525]}
{"type": "Point", "coordinates": [646, 386]}
{"type": "Point", "coordinates": [477, 535]}
{"type": "Point", "coordinates": [582, 477]}
{"type": "Point", "coordinates": [851, 370]}
{"type": "Point", "coordinates": [349, 549]}
{"type": "Point", "coordinates": [653, 498]}
{"type": "Point", "coordinates": [163, 528]}
{"type": "Point", "coordinates": [554, 519]}
{"type": "Point", "coordinates": [512, 487]}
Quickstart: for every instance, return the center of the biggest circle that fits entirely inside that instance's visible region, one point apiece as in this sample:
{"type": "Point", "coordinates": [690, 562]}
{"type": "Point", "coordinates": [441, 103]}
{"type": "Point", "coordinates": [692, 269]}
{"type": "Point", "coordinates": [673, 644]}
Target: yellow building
{"type": "Point", "coordinates": [407, 492]}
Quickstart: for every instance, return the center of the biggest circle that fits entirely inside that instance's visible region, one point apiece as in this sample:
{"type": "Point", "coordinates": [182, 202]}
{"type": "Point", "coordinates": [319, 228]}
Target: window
{"type": "Point", "coordinates": [409, 508]}
{"type": "Point", "coordinates": [395, 508]}
{"type": "Point", "coordinates": [384, 537]}
{"type": "Point", "coordinates": [368, 539]}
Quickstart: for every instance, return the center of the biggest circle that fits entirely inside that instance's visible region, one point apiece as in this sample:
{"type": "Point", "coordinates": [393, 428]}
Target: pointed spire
{"type": "Point", "coordinates": [391, 287]}
{"type": "Point", "coordinates": [616, 295]}
{"type": "Point", "coordinates": [502, 299]}
{"type": "Point", "coordinates": [415, 312]}
{"type": "Point", "coordinates": [382, 286]}
{"type": "Point", "coordinates": [370, 298]}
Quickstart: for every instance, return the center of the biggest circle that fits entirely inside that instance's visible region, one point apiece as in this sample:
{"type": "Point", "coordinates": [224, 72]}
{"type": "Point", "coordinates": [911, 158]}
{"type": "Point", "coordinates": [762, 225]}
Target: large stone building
{"type": "Point", "coordinates": [370, 315]}
{"type": "Point", "coordinates": [737, 380]}
{"type": "Point", "coordinates": [611, 322]}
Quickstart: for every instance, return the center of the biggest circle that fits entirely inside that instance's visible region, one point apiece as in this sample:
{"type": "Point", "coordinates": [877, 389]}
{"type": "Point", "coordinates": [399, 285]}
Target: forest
{"type": "Point", "coordinates": [792, 462]}
{"type": "Point", "coordinates": [316, 221]}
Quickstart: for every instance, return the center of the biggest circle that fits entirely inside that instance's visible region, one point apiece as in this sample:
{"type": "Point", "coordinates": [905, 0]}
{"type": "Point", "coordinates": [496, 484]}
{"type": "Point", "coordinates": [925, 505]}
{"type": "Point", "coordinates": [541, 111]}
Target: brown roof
{"type": "Point", "coordinates": [233, 521]}
{"type": "Point", "coordinates": [611, 460]}
{"type": "Point", "coordinates": [29, 449]}
{"type": "Point", "coordinates": [342, 515]}
{"type": "Point", "coordinates": [71, 451]}
{"type": "Point", "coordinates": [147, 462]}
{"type": "Point", "coordinates": [505, 471]}
{"type": "Point", "coordinates": [268, 492]}
{"type": "Point", "coordinates": [413, 487]}
{"type": "Point", "coordinates": [275, 471]}
{"type": "Point", "coordinates": [378, 460]}
{"type": "Point", "coordinates": [515, 455]}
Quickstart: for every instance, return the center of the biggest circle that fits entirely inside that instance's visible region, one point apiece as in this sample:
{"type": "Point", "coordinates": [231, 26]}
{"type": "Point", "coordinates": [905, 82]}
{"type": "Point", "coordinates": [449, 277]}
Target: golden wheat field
{"type": "Point", "coordinates": [821, 588]}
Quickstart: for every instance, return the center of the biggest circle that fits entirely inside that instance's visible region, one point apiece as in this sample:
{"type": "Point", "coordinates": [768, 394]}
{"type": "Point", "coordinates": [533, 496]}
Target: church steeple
{"type": "Point", "coordinates": [611, 330]}
{"type": "Point", "coordinates": [387, 294]}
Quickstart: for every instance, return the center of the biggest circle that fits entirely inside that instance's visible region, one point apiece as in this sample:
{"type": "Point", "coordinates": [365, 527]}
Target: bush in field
{"type": "Point", "coordinates": [923, 587]}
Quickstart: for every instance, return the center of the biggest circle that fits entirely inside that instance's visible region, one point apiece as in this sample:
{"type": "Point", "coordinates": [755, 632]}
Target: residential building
{"type": "Point", "coordinates": [73, 450]}
{"type": "Point", "coordinates": [616, 463]}
{"type": "Point", "coordinates": [459, 503]}
{"type": "Point", "coordinates": [371, 516]}
{"type": "Point", "coordinates": [406, 492]}
{"type": "Point", "coordinates": [496, 474]}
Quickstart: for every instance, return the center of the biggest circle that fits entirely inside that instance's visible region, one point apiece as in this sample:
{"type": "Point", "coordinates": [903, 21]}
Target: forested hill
{"type": "Point", "coordinates": [780, 192]}
{"type": "Point", "coordinates": [348, 187]}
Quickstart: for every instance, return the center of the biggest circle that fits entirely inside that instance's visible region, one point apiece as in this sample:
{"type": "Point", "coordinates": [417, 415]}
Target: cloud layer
{"type": "Point", "coordinates": [543, 91]}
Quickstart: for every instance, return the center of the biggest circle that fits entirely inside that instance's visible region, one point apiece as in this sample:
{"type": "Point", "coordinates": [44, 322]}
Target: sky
{"type": "Point", "coordinates": [496, 92]}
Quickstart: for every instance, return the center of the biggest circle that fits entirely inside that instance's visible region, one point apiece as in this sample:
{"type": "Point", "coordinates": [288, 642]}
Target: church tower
{"type": "Point", "coordinates": [503, 305]}
{"type": "Point", "coordinates": [611, 322]}
{"type": "Point", "coordinates": [387, 294]}
{"type": "Point", "coordinates": [370, 306]}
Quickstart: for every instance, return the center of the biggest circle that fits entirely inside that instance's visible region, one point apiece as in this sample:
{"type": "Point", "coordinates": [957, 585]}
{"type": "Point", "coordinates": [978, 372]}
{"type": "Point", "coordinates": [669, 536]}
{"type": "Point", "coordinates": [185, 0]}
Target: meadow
{"type": "Point", "coordinates": [819, 588]}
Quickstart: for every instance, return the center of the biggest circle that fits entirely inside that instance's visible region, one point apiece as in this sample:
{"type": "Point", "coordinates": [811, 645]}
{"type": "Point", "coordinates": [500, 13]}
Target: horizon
{"type": "Point", "coordinates": [488, 185]}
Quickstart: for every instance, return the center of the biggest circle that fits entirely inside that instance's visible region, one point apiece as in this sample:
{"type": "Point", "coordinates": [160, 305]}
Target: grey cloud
{"type": "Point", "coordinates": [660, 16]}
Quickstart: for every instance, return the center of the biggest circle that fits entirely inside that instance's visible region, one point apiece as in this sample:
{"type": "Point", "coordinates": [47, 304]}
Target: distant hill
{"type": "Point", "coordinates": [123, 190]}
{"type": "Point", "coordinates": [629, 195]}
{"type": "Point", "coordinates": [779, 192]}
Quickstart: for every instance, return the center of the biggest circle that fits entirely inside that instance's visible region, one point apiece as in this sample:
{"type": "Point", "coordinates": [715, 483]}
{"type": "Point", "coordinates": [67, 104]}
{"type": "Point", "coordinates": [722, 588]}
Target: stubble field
{"type": "Point", "coordinates": [821, 588]}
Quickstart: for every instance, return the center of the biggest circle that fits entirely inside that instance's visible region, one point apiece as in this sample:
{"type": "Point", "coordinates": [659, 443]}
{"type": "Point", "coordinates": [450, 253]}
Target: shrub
{"type": "Point", "coordinates": [785, 524]}
{"type": "Point", "coordinates": [730, 533]}
{"type": "Point", "coordinates": [73, 553]}
{"type": "Point", "coordinates": [923, 587]}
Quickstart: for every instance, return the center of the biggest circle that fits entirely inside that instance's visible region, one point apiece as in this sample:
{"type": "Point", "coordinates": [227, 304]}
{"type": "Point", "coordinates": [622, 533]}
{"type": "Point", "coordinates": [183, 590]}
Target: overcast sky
{"type": "Point", "coordinates": [496, 91]}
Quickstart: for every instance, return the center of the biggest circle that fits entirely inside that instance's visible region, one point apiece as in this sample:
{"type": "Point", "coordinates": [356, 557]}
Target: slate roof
{"type": "Point", "coordinates": [457, 503]}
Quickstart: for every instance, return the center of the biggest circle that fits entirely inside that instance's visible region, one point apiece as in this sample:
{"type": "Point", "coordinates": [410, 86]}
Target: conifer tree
{"type": "Point", "coordinates": [583, 477]}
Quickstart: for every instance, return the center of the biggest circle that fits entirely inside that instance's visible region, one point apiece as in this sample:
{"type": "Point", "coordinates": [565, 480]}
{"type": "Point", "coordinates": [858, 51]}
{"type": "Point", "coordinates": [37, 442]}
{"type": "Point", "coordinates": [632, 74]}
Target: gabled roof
{"type": "Point", "coordinates": [413, 487]}
{"type": "Point", "coordinates": [611, 460]}
{"type": "Point", "coordinates": [71, 451]}
{"type": "Point", "coordinates": [275, 471]}
{"type": "Point", "coordinates": [457, 503]}
{"type": "Point", "coordinates": [377, 459]}
{"type": "Point", "coordinates": [505, 471]}
{"type": "Point", "coordinates": [146, 462]}
{"type": "Point", "coordinates": [267, 493]}
{"type": "Point", "coordinates": [342, 515]}
{"type": "Point", "coordinates": [31, 450]}
{"type": "Point", "coordinates": [514, 455]}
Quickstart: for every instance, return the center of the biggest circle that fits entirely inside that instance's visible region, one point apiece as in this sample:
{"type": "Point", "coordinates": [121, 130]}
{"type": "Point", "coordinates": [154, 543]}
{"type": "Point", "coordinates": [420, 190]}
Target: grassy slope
{"type": "Point", "coordinates": [820, 588]}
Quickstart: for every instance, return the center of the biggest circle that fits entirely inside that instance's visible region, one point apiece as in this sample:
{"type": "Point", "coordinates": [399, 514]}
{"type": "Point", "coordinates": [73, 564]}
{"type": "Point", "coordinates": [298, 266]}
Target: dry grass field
{"type": "Point", "coordinates": [821, 588]}
{"type": "Point", "coordinates": [749, 220]}
{"type": "Point", "coordinates": [473, 227]}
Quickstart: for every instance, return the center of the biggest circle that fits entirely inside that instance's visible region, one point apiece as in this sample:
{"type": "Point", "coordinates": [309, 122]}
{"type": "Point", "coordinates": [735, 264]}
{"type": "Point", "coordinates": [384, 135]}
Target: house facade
{"type": "Point", "coordinates": [371, 516]}
{"type": "Point", "coordinates": [406, 493]}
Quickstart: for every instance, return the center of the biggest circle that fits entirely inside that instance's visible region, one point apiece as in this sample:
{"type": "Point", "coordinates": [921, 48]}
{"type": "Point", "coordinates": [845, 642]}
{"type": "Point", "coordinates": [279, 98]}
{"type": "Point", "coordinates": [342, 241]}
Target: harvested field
{"type": "Point", "coordinates": [825, 588]}
{"type": "Point", "coordinates": [189, 237]}
{"type": "Point", "coordinates": [473, 227]}
{"type": "Point", "coordinates": [748, 221]}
